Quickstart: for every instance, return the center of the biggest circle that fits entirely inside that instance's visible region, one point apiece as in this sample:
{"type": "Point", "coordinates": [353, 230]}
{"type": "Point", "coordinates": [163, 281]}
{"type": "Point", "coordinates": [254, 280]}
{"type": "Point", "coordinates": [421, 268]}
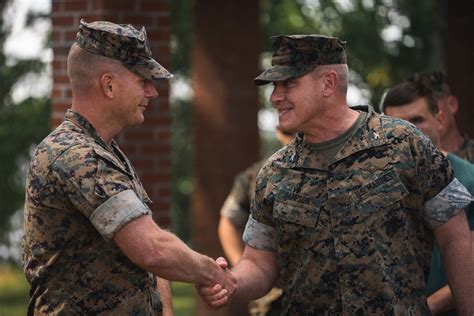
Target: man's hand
{"type": "Point", "coordinates": [218, 295]}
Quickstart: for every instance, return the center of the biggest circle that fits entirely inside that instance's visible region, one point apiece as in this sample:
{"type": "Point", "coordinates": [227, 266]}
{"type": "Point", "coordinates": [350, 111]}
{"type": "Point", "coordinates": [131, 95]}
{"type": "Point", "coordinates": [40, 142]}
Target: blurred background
{"type": "Point", "coordinates": [209, 122]}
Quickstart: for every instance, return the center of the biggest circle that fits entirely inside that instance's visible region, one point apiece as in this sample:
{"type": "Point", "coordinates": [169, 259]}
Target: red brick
{"type": "Point", "coordinates": [114, 5]}
{"type": "Point", "coordinates": [164, 20]}
{"type": "Point", "coordinates": [158, 35]}
{"type": "Point", "coordinates": [63, 20]}
{"type": "Point", "coordinates": [155, 178]}
{"type": "Point", "coordinates": [75, 5]}
{"type": "Point", "coordinates": [138, 21]}
{"type": "Point", "coordinates": [61, 107]}
{"type": "Point", "coordinates": [155, 6]}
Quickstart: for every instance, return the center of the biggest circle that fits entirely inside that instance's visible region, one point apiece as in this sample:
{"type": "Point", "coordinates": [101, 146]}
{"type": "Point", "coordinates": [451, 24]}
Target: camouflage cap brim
{"type": "Point", "coordinates": [282, 73]}
{"type": "Point", "coordinates": [149, 69]}
{"type": "Point", "coordinates": [124, 43]}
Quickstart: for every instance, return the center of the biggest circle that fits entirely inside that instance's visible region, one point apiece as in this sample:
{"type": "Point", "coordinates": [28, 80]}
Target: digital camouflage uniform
{"type": "Point", "coordinates": [80, 191]}
{"type": "Point", "coordinates": [236, 207]}
{"type": "Point", "coordinates": [353, 235]}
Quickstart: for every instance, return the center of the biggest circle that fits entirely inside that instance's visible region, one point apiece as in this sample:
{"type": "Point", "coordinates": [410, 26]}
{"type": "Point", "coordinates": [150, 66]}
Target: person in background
{"type": "Point", "coordinates": [234, 215]}
{"type": "Point", "coordinates": [451, 139]}
{"type": "Point", "coordinates": [344, 216]}
{"type": "Point", "coordinates": [417, 103]}
{"type": "Point", "coordinates": [90, 244]}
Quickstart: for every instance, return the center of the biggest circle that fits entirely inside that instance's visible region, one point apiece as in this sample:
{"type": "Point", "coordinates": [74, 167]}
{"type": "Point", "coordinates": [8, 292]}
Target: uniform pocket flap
{"type": "Point", "coordinates": [296, 208]}
{"type": "Point", "coordinates": [379, 194]}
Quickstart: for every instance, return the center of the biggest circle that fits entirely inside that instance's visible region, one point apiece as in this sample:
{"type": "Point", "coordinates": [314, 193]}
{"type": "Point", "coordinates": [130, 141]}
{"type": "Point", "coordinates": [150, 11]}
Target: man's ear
{"type": "Point", "coordinates": [330, 80]}
{"type": "Point", "coordinates": [453, 103]}
{"type": "Point", "coordinates": [109, 85]}
{"type": "Point", "coordinates": [440, 118]}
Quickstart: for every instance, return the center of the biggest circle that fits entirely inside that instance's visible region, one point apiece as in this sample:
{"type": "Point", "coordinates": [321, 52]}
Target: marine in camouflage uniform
{"type": "Point", "coordinates": [236, 207]}
{"type": "Point", "coordinates": [350, 234]}
{"type": "Point", "coordinates": [86, 215]}
{"type": "Point", "coordinates": [80, 192]}
{"type": "Point", "coordinates": [347, 222]}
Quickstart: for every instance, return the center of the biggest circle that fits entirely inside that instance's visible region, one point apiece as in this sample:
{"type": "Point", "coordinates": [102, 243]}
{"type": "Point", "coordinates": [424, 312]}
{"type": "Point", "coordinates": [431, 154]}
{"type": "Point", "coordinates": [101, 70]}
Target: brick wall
{"type": "Point", "coordinates": [147, 145]}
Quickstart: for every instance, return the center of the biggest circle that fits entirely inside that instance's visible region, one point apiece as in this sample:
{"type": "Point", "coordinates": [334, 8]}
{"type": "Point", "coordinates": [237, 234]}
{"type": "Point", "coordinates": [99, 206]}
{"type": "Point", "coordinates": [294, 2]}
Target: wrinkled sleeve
{"type": "Point", "coordinates": [99, 189]}
{"type": "Point", "coordinates": [260, 232]}
{"type": "Point", "coordinates": [450, 201]}
{"type": "Point", "coordinates": [443, 195]}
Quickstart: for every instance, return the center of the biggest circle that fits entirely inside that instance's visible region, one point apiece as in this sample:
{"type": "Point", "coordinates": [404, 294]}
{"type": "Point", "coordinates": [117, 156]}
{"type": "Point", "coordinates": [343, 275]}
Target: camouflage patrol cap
{"type": "Point", "coordinates": [124, 43]}
{"type": "Point", "coordinates": [296, 55]}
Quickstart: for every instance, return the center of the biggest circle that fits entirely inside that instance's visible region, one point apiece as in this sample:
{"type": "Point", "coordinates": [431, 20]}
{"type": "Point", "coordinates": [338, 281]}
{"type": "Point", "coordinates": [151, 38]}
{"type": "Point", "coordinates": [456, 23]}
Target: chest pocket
{"type": "Point", "coordinates": [380, 196]}
{"type": "Point", "coordinates": [296, 208]}
{"type": "Point", "coordinates": [296, 218]}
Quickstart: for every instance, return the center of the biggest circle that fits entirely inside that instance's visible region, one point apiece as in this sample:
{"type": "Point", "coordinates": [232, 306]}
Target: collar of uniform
{"type": "Point", "coordinates": [300, 154]}
{"type": "Point", "coordinates": [82, 123]}
{"type": "Point", "coordinates": [367, 136]}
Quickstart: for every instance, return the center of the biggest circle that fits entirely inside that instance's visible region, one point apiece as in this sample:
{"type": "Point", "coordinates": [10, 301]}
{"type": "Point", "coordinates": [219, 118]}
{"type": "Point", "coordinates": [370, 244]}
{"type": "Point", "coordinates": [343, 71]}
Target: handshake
{"type": "Point", "coordinates": [217, 293]}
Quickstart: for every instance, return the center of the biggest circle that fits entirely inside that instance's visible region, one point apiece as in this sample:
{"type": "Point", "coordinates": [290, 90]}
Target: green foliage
{"type": "Point", "coordinates": [183, 298]}
{"type": "Point", "coordinates": [379, 63]}
{"type": "Point", "coordinates": [181, 168]}
{"type": "Point", "coordinates": [180, 36]}
{"type": "Point", "coordinates": [14, 293]}
{"type": "Point", "coordinates": [375, 63]}
{"type": "Point", "coordinates": [22, 125]}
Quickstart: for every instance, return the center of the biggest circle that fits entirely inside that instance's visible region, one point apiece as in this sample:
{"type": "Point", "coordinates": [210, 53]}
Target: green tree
{"type": "Point", "coordinates": [22, 125]}
{"type": "Point", "coordinates": [181, 186]}
{"type": "Point", "coordinates": [377, 58]}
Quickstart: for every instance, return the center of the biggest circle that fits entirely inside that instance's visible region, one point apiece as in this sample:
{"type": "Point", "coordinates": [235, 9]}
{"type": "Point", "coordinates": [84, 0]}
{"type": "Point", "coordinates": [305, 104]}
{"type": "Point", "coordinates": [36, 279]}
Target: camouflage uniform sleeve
{"type": "Point", "coordinates": [444, 196]}
{"type": "Point", "coordinates": [451, 200]}
{"type": "Point", "coordinates": [236, 207]}
{"type": "Point", "coordinates": [260, 232]}
{"type": "Point", "coordinates": [99, 189]}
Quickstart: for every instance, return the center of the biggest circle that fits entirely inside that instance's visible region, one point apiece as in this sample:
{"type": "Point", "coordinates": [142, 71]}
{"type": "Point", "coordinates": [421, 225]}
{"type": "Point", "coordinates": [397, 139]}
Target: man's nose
{"type": "Point", "coordinates": [277, 94]}
{"type": "Point", "coordinates": [150, 90]}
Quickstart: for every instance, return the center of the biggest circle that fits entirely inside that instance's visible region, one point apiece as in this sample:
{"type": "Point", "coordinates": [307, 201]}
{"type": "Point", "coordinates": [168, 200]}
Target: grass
{"type": "Point", "coordinates": [13, 291]}
{"type": "Point", "coordinates": [14, 294]}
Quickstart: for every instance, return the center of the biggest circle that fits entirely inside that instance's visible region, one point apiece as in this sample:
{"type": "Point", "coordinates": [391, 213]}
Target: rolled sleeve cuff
{"type": "Point", "coordinates": [117, 211]}
{"type": "Point", "coordinates": [260, 236]}
{"type": "Point", "coordinates": [447, 203]}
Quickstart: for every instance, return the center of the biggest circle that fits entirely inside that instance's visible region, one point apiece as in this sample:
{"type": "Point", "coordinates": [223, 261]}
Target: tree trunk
{"type": "Point", "coordinates": [225, 54]}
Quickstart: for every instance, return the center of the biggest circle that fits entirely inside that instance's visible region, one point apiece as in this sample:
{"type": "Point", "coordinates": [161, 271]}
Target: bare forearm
{"type": "Point", "coordinates": [455, 244]}
{"type": "Point", "coordinates": [174, 260]}
{"type": "Point", "coordinates": [461, 277]}
{"type": "Point", "coordinates": [441, 301]}
{"type": "Point", "coordinates": [165, 295]}
{"type": "Point", "coordinates": [162, 253]}
{"type": "Point", "coordinates": [255, 275]}
{"type": "Point", "coordinates": [231, 240]}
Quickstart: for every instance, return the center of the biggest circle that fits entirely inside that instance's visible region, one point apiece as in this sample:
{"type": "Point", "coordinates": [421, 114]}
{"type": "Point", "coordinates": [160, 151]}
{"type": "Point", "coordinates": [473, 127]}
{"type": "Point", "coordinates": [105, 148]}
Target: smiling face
{"type": "Point", "coordinates": [297, 101]}
{"type": "Point", "coordinates": [133, 96]}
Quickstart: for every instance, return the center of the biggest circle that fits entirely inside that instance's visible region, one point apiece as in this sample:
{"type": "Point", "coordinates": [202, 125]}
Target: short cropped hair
{"type": "Point", "coordinates": [408, 92]}
{"type": "Point", "coordinates": [435, 80]}
{"type": "Point", "coordinates": [85, 68]}
{"type": "Point", "coordinates": [342, 72]}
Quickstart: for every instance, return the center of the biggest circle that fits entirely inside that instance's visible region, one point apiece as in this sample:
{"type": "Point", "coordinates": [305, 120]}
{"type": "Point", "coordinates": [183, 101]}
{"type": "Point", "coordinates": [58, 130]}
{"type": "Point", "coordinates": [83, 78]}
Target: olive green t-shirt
{"type": "Point", "coordinates": [330, 148]}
